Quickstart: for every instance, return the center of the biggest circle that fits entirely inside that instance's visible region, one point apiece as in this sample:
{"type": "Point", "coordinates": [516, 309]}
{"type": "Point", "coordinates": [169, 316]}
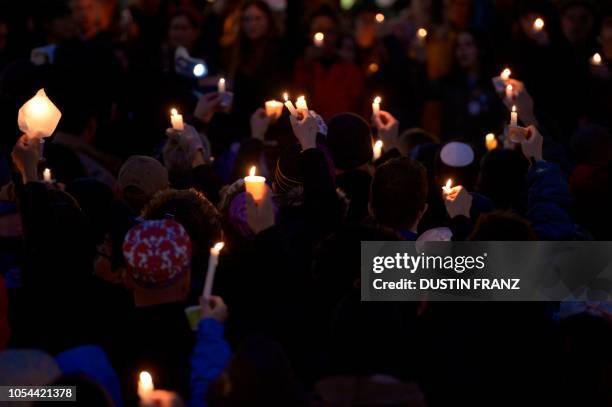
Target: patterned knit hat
{"type": "Point", "coordinates": [157, 252]}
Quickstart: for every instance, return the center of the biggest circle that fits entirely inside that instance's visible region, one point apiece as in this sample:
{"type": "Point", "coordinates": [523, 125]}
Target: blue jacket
{"type": "Point", "coordinates": [210, 356]}
{"type": "Point", "coordinates": [548, 200]}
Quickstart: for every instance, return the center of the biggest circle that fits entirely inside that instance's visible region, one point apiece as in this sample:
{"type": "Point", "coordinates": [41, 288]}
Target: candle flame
{"type": "Point", "coordinates": [505, 75]}
{"type": "Point", "coordinates": [380, 17]}
{"type": "Point", "coordinates": [422, 33]}
{"type": "Point", "coordinates": [378, 145]}
{"type": "Point", "coordinates": [173, 112]}
{"type": "Point", "coordinates": [377, 99]}
{"type": "Point", "coordinates": [145, 382]}
{"type": "Point", "coordinates": [252, 171]}
{"type": "Point", "coordinates": [489, 137]}
{"type": "Point", "coordinates": [217, 248]}
{"type": "Point", "coordinates": [221, 81]}
{"type": "Point", "coordinates": [597, 58]}
{"type": "Point", "coordinates": [449, 184]}
{"type": "Point", "coordinates": [514, 109]}
{"type": "Point", "coordinates": [538, 24]}
{"type": "Point", "coordinates": [509, 88]}
{"type": "Point", "coordinates": [286, 96]}
{"type": "Point", "coordinates": [301, 99]}
{"type": "Point", "coordinates": [319, 37]}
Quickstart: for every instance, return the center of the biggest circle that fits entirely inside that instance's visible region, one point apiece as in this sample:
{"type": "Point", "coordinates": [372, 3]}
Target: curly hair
{"type": "Point", "coordinates": [195, 213]}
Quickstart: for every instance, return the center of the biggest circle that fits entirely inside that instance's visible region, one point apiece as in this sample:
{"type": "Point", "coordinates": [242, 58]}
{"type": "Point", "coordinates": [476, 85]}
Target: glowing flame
{"type": "Point", "coordinates": [378, 145]}
{"type": "Point", "coordinates": [422, 33]}
{"type": "Point", "coordinates": [449, 184]}
{"type": "Point", "coordinates": [252, 171]}
{"type": "Point", "coordinates": [513, 109]}
{"type": "Point", "coordinates": [319, 37]}
{"type": "Point", "coordinates": [380, 17]}
{"type": "Point", "coordinates": [377, 100]}
{"type": "Point", "coordinates": [217, 248]}
{"type": "Point", "coordinates": [597, 59]}
{"type": "Point", "coordinates": [173, 112]}
{"type": "Point", "coordinates": [538, 24]}
{"type": "Point", "coordinates": [505, 75]}
{"type": "Point", "coordinates": [145, 382]}
{"type": "Point", "coordinates": [286, 96]}
{"type": "Point", "coordinates": [489, 137]}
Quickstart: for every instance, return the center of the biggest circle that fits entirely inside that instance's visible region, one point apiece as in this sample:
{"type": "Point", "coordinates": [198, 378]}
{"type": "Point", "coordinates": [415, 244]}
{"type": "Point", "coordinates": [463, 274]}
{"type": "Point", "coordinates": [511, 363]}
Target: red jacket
{"type": "Point", "coordinates": [330, 90]}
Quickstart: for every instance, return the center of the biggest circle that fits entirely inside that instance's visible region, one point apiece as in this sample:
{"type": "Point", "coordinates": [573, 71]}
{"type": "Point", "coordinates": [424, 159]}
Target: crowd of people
{"type": "Point", "coordinates": [106, 227]}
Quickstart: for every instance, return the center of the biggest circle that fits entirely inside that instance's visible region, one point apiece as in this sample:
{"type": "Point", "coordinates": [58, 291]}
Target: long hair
{"type": "Point", "coordinates": [244, 55]}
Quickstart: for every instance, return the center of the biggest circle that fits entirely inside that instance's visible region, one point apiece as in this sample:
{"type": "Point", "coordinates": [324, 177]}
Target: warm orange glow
{"type": "Point", "coordinates": [319, 37]}
{"type": "Point", "coordinates": [422, 33]}
{"type": "Point", "coordinates": [145, 382]}
{"type": "Point", "coordinates": [377, 100]}
{"type": "Point", "coordinates": [380, 17]}
{"type": "Point", "coordinates": [597, 59]}
{"type": "Point", "coordinates": [252, 171]}
{"type": "Point", "coordinates": [505, 75]}
{"type": "Point", "coordinates": [449, 183]}
{"type": "Point", "coordinates": [217, 247]}
{"type": "Point", "coordinates": [286, 96]}
{"type": "Point", "coordinates": [173, 112]}
{"type": "Point", "coordinates": [538, 24]}
{"type": "Point", "coordinates": [513, 109]}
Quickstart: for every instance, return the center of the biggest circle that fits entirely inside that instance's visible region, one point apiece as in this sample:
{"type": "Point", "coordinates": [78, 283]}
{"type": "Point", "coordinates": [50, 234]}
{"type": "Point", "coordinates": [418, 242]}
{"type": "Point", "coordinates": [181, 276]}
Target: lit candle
{"type": "Point", "coordinates": [538, 25]}
{"type": "Point", "coordinates": [447, 188]}
{"type": "Point", "coordinates": [421, 36]}
{"type": "Point", "coordinates": [301, 105]}
{"type": "Point", "coordinates": [596, 60]}
{"type": "Point", "coordinates": [221, 85]}
{"type": "Point", "coordinates": [255, 185]}
{"type": "Point", "coordinates": [380, 18]}
{"type": "Point", "coordinates": [376, 105]}
{"type": "Point", "coordinates": [378, 146]}
{"type": "Point", "coordinates": [289, 105]}
{"type": "Point", "coordinates": [47, 175]}
{"type": "Point", "coordinates": [274, 108]}
{"type": "Point", "coordinates": [145, 384]}
{"type": "Point", "coordinates": [514, 117]}
{"type": "Point", "coordinates": [318, 39]}
{"type": "Point", "coordinates": [510, 92]}
{"type": "Point", "coordinates": [505, 75]}
{"type": "Point", "coordinates": [491, 141]}
{"type": "Point", "coordinates": [213, 261]}
{"type": "Point", "coordinates": [38, 117]}
{"type": "Point", "coordinates": [176, 120]}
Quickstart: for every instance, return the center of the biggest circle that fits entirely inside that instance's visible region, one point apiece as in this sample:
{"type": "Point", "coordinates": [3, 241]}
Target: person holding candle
{"type": "Point", "coordinates": [333, 84]}
{"type": "Point", "coordinates": [254, 59]}
{"type": "Point", "coordinates": [158, 257]}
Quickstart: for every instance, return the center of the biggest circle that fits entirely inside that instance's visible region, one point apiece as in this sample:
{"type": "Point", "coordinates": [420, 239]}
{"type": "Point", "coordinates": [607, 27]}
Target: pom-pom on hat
{"type": "Point", "coordinates": [157, 252]}
{"type": "Point", "coordinates": [457, 155]}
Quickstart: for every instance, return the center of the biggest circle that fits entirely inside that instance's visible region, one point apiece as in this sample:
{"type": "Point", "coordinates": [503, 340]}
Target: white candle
{"type": "Point", "coordinates": [47, 175]}
{"type": "Point", "coordinates": [176, 120]}
{"type": "Point", "coordinates": [255, 185]}
{"type": "Point", "coordinates": [38, 117]}
{"type": "Point", "coordinates": [514, 117]}
{"type": "Point", "coordinates": [318, 40]}
{"type": "Point", "coordinates": [447, 188]}
{"type": "Point", "coordinates": [378, 146]}
{"type": "Point", "coordinates": [421, 36]}
{"type": "Point", "coordinates": [490, 141]}
{"type": "Point", "coordinates": [145, 384]}
{"type": "Point", "coordinates": [289, 105]}
{"type": "Point", "coordinates": [301, 105]}
{"type": "Point", "coordinates": [221, 85]}
{"type": "Point", "coordinates": [538, 25]}
{"type": "Point", "coordinates": [274, 109]}
{"type": "Point", "coordinates": [376, 105]}
{"type": "Point", "coordinates": [596, 60]}
{"type": "Point", "coordinates": [510, 92]}
{"type": "Point", "coordinates": [213, 261]}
